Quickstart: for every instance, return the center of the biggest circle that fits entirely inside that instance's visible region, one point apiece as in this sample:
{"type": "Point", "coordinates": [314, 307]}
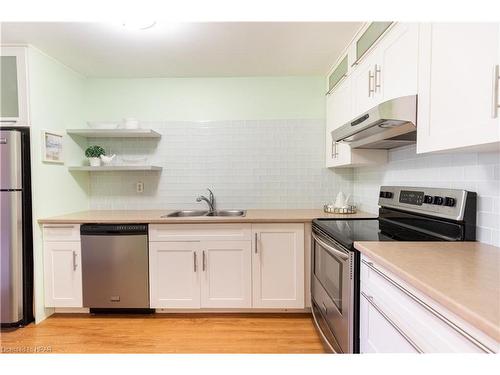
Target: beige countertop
{"type": "Point", "coordinates": [464, 277]}
{"type": "Point", "coordinates": [155, 216]}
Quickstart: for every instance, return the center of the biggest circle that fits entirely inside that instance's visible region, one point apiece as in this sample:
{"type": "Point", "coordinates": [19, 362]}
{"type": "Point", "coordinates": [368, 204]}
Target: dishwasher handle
{"type": "Point", "coordinates": [113, 229]}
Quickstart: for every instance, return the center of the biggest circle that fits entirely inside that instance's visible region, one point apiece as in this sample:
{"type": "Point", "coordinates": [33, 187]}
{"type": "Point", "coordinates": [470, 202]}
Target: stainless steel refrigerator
{"type": "Point", "coordinates": [16, 262]}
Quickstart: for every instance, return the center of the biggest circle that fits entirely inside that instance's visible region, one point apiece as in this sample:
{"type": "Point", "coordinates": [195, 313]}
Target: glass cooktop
{"type": "Point", "coordinates": [348, 231]}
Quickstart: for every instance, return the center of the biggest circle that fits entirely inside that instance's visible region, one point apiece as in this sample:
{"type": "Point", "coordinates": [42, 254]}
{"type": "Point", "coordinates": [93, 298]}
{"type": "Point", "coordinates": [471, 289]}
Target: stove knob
{"type": "Point", "coordinates": [388, 194]}
{"type": "Point", "coordinates": [382, 194]}
{"type": "Point", "coordinates": [450, 202]}
{"type": "Point", "coordinates": [428, 199]}
{"type": "Point", "coordinates": [438, 200]}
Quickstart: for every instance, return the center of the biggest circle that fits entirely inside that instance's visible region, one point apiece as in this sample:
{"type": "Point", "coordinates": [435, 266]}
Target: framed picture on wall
{"type": "Point", "coordinates": [52, 147]}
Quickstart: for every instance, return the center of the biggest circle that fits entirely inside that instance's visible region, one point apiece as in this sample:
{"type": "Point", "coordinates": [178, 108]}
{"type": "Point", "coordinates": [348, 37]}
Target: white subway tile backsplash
{"type": "Point", "coordinates": [249, 164]}
{"type": "Point", "coordinates": [476, 172]}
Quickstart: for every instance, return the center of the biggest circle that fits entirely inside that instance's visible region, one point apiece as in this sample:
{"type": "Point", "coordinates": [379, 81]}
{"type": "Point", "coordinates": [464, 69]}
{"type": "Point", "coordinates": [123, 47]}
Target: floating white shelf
{"type": "Point", "coordinates": [115, 133]}
{"type": "Point", "coordinates": [114, 168]}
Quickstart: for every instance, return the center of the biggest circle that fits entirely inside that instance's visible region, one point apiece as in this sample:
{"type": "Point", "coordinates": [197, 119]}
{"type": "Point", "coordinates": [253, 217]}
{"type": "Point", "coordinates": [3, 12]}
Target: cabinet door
{"type": "Point", "coordinates": [396, 65]}
{"type": "Point", "coordinates": [174, 280]}
{"type": "Point", "coordinates": [226, 274]}
{"type": "Point", "coordinates": [13, 81]}
{"type": "Point", "coordinates": [377, 334]}
{"type": "Point", "coordinates": [278, 265]}
{"type": "Point", "coordinates": [338, 112]}
{"type": "Point", "coordinates": [363, 86]}
{"type": "Point", "coordinates": [456, 86]}
{"type": "Point", "coordinates": [63, 274]}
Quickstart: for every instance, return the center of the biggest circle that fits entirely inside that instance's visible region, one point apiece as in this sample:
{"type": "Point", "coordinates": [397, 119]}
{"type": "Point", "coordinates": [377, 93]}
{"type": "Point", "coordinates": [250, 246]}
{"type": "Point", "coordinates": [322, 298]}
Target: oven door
{"type": "Point", "coordinates": [332, 291]}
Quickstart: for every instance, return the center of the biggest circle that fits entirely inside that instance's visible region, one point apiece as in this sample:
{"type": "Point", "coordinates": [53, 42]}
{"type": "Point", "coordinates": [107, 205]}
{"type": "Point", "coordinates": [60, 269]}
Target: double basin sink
{"type": "Point", "coordinates": [199, 213]}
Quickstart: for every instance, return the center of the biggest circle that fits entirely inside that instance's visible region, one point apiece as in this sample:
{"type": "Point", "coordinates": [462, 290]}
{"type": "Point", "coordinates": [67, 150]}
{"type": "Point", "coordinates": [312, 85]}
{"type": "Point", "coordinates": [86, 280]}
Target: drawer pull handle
{"type": "Point", "coordinates": [74, 261]}
{"type": "Point", "coordinates": [430, 309]}
{"type": "Point", "coordinates": [194, 261]}
{"type": "Point", "coordinates": [496, 104]}
{"type": "Point", "coordinates": [391, 322]}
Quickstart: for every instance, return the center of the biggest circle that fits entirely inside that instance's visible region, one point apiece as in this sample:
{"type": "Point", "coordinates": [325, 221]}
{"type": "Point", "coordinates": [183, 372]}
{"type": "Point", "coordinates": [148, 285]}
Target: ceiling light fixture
{"type": "Point", "coordinates": [139, 25]}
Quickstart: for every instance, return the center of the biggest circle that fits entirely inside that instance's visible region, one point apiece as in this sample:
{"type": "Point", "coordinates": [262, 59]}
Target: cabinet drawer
{"type": "Point", "coordinates": [61, 232]}
{"type": "Point", "coordinates": [429, 325]}
{"type": "Point", "coordinates": [378, 333]}
{"type": "Point", "coordinates": [199, 232]}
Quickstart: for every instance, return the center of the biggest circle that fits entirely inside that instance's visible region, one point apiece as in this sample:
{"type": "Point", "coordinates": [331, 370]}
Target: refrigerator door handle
{"type": "Point", "coordinates": [11, 256]}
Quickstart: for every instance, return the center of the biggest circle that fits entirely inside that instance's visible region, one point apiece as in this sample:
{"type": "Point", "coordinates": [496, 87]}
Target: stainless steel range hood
{"type": "Point", "coordinates": [388, 125]}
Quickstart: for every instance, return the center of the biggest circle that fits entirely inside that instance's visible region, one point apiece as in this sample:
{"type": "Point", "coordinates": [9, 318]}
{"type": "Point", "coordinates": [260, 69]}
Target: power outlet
{"type": "Point", "coordinates": [139, 187]}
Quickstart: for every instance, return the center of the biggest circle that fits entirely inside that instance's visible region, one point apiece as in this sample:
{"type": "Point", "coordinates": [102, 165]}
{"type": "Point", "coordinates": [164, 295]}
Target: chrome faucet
{"type": "Point", "coordinates": [210, 201]}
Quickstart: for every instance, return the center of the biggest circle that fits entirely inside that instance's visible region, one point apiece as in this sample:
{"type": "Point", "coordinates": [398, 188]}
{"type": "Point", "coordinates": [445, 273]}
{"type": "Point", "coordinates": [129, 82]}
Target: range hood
{"type": "Point", "coordinates": [388, 125]}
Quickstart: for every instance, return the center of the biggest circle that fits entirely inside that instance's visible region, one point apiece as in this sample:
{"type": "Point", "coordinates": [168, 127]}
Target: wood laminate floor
{"type": "Point", "coordinates": [167, 333]}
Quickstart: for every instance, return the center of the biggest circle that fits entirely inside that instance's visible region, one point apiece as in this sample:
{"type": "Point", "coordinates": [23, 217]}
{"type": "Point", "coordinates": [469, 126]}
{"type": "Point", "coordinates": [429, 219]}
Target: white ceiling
{"type": "Point", "coordinates": [189, 49]}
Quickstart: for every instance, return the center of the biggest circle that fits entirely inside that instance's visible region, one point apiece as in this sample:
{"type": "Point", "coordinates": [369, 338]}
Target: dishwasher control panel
{"type": "Point", "coordinates": [106, 229]}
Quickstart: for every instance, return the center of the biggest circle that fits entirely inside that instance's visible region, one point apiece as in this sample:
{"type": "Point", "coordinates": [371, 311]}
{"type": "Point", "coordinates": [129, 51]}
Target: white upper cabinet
{"type": "Point", "coordinates": [278, 265]}
{"type": "Point", "coordinates": [384, 68]}
{"type": "Point", "coordinates": [227, 276]}
{"type": "Point", "coordinates": [363, 86]}
{"type": "Point", "coordinates": [458, 98]}
{"type": "Point", "coordinates": [14, 86]}
{"type": "Point", "coordinates": [389, 70]}
{"type": "Point", "coordinates": [395, 69]}
{"type": "Point", "coordinates": [339, 111]}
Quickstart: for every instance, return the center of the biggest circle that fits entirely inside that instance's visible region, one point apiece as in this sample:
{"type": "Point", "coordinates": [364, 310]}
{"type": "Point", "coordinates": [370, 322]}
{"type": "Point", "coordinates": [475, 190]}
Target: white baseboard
{"type": "Point", "coordinates": [72, 310]}
{"type": "Point", "coordinates": [85, 310]}
{"type": "Point", "coordinates": [234, 311]}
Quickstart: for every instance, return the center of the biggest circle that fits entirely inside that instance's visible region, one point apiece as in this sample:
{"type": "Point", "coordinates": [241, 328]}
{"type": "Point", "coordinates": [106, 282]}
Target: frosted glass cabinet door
{"type": "Point", "coordinates": [9, 106]}
{"type": "Point", "coordinates": [13, 98]}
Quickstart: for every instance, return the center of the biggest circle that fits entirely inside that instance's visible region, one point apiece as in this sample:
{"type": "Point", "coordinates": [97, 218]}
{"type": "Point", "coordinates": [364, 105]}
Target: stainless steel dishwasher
{"type": "Point", "coordinates": [115, 266]}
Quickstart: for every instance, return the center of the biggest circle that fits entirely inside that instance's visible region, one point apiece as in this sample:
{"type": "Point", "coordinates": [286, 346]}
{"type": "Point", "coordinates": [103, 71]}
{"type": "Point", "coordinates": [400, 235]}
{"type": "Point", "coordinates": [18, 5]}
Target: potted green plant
{"type": "Point", "coordinates": [93, 153]}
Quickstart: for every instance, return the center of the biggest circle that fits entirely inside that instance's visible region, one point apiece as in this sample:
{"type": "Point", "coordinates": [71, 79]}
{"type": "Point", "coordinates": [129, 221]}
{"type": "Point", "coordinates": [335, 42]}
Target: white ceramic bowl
{"type": "Point", "coordinates": [102, 125]}
{"type": "Point", "coordinates": [134, 159]}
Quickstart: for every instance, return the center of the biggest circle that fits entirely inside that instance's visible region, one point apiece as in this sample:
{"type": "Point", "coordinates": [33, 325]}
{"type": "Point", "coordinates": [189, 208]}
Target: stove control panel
{"type": "Point", "coordinates": [447, 203]}
{"type": "Point", "coordinates": [411, 197]}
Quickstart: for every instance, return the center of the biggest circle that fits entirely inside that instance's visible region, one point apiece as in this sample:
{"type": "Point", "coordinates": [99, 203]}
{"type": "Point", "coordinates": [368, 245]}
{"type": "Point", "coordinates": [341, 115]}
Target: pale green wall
{"type": "Point", "coordinates": [192, 99]}
{"type": "Point", "coordinates": [61, 99]}
{"type": "Point", "coordinates": [56, 97]}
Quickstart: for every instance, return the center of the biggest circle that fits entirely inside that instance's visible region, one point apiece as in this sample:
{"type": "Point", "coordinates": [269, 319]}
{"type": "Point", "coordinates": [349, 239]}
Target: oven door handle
{"type": "Point", "coordinates": [330, 249]}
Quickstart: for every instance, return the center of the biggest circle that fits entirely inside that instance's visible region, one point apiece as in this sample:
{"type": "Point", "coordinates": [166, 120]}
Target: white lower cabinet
{"type": "Point", "coordinates": [265, 270]}
{"type": "Point", "coordinates": [200, 266]}
{"type": "Point", "coordinates": [278, 265]}
{"type": "Point", "coordinates": [378, 334]}
{"type": "Point", "coordinates": [173, 274]}
{"type": "Point", "coordinates": [62, 274]}
{"type": "Point", "coordinates": [226, 274]}
{"type": "Point", "coordinates": [395, 317]}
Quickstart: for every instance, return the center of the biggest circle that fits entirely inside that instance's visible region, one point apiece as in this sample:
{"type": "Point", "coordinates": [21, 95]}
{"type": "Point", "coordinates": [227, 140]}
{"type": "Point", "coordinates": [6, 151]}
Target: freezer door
{"type": "Point", "coordinates": [10, 160]}
{"type": "Point", "coordinates": [11, 261]}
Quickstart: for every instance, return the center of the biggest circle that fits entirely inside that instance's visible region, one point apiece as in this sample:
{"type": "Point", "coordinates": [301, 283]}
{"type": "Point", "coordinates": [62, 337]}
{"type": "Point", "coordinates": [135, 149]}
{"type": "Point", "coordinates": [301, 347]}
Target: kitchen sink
{"type": "Point", "coordinates": [228, 213]}
{"type": "Point", "coordinates": [197, 213]}
{"type": "Point", "coordinates": [187, 213]}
